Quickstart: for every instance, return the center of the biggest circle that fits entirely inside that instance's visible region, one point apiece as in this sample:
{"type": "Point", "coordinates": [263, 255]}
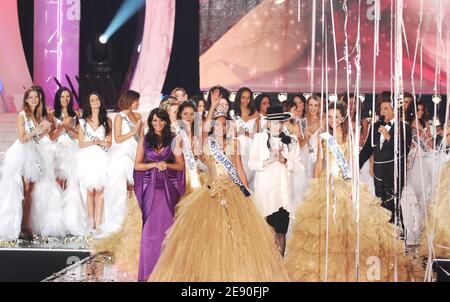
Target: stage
{"type": "Point", "coordinates": [70, 260]}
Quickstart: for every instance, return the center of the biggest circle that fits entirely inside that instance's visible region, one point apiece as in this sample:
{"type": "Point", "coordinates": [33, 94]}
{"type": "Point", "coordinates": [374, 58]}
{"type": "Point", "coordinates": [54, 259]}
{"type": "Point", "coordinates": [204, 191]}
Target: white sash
{"type": "Point", "coordinates": [30, 127]}
{"type": "Point", "coordinates": [338, 155]}
{"type": "Point", "coordinates": [68, 133]}
{"type": "Point", "coordinates": [222, 159]}
{"type": "Point", "coordinates": [239, 121]}
{"type": "Point", "coordinates": [131, 125]}
{"type": "Point", "coordinates": [90, 136]}
{"type": "Point", "coordinates": [304, 125]}
{"type": "Point", "coordinates": [189, 157]}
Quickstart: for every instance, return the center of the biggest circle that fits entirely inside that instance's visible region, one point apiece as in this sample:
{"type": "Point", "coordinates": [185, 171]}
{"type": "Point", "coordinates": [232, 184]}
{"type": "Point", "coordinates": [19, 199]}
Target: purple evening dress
{"type": "Point", "coordinates": [158, 194]}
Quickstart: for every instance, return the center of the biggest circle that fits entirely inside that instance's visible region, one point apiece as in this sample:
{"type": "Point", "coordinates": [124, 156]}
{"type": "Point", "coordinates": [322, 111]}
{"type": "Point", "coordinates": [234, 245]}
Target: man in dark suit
{"type": "Point", "coordinates": [383, 151]}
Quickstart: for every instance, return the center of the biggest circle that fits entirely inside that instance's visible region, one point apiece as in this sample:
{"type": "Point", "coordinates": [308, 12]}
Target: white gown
{"type": "Point", "coordinates": [273, 183]}
{"type": "Point", "coordinates": [120, 173]}
{"type": "Point", "coordinates": [34, 162]}
{"type": "Point", "coordinates": [302, 179]}
{"type": "Point", "coordinates": [245, 143]}
{"type": "Point", "coordinates": [417, 191]}
{"type": "Point", "coordinates": [91, 172]}
{"type": "Point", "coordinates": [66, 151]}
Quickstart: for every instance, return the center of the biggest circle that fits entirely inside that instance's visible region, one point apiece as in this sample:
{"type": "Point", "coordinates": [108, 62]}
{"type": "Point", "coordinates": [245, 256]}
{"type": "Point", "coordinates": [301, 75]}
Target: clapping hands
{"type": "Point", "coordinates": [44, 127]}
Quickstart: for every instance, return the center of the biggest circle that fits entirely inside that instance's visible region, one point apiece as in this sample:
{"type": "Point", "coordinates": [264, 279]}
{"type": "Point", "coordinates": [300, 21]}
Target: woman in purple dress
{"type": "Point", "coordinates": [159, 183]}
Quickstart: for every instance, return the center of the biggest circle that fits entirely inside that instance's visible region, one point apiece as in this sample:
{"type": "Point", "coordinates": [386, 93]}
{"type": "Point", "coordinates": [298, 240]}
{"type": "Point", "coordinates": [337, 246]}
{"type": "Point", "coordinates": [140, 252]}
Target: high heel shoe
{"type": "Point", "coordinates": [26, 233]}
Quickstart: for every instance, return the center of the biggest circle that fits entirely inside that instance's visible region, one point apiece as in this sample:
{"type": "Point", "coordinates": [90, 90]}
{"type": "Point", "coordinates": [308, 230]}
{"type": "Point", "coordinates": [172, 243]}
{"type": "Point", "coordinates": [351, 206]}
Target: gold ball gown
{"type": "Point", "coordinates": [219, 236]}
{"type": "Point", "coordinates": [311, 258]}
{"type": "Point", "coordinates": [437, 227]}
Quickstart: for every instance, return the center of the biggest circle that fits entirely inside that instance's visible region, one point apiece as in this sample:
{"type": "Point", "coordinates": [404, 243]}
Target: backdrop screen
{"type": "Point", "coordinates": [283, 45]}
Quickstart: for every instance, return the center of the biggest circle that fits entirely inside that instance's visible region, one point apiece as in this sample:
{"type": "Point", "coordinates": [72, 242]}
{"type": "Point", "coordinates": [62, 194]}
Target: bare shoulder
{"type": "Point", "coordinates": [118, 118]}
{"type": "Point", "coordinates": [21, 116]}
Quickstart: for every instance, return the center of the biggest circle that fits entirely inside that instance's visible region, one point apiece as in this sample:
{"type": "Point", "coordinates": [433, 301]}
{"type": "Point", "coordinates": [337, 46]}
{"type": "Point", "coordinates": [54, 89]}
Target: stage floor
{"type": "Point", "coordinates": [99, 268]}
{"type": "Point", "coordinates": [35, 260]}
{"type": "Point", "coordinates": [49, 243]}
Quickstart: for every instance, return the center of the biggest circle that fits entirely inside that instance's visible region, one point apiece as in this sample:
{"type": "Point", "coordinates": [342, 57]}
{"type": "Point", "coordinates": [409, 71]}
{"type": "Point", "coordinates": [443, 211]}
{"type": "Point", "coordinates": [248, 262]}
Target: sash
{"type": "Point", "coordinates": [189, 157]}
{"type": "Point", "coordinates": [239, 121]}
{"type": "Point", "coordinates": [91, 136]}
{"type": "Point", "coordinates": [338, 155]}
{"type": "Point", "coordinates": [304, 125]}
{"type": "Point", "coordinates": [30, 126]}
{"type": "Point", "coordinates": [68, 133]}
{"type": "Point", "coordinates": [421, 142]}
{"type": "Point", "coordinates": [222, 159]}
{"type": "Point", "coordinates": [131, 125]}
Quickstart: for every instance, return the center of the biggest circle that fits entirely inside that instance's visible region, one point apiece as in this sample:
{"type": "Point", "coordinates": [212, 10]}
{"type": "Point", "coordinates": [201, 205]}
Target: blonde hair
{"type": "Point", "coordinates": [179, 89]}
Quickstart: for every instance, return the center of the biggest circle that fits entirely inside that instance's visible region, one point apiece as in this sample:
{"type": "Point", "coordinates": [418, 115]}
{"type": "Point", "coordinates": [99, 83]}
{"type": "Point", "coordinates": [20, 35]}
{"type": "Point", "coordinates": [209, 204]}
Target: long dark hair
{"type": "Point", "coordinates": [341, 107]}
{"type": "Point", "coordinates": [302, 98]}
{"type": "Point", "coordinates": [184, 105]}
{"type": "Point", "coordinates": [58, 107]}
{"type": "Point", "coordinates": [153, 140]}
{"type": "Point", "coordinates": [237, 102]}
{"type": "Point", "coordinates": [260, 98]}
{"type": "Point", "coordinates": [102, 114]}
{"type": "Point", "coordinates": [411, 114]}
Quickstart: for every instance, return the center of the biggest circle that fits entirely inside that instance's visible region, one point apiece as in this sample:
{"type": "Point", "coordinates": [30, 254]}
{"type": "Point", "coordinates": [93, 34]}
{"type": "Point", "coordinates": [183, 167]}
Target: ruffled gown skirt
{"type": "Point", "coordinates": [436, 235]}
{"type": "Point", "coordinates": [219, 236]}
{"type": "Point", "coordinates": [315, 254]}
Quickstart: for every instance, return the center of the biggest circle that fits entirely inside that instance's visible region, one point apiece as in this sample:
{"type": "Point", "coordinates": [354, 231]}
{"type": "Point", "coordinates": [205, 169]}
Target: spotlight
{"type": "Point", "coordinates": [99, 54]}
{"type": "Point", "coordinates": [333, 98]}
{"type": "Point", "coordinates": [436, 99]}
{"type": "Point", "coordinates": [125, 13]}
{"type": "Point", "coordinates": [233, 97]}
{"type": "Point", "coordinates": [103, 39]}
{"type": "Point", "coordinates": [282, 97]}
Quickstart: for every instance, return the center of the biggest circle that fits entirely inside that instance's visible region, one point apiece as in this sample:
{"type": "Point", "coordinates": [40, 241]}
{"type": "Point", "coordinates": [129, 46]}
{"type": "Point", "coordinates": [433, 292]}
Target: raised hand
{"type": "Point", "coordinates": [215, 97]}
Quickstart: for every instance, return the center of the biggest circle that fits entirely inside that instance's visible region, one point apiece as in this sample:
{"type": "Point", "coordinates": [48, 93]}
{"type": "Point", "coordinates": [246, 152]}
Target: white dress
{"type": "Point", "coordinates": [245, 143]}
{"type": "Point", "coordinates": [308, 154]}
{"type": "Point", "coordinates": [66, 151]}
{"type": "Point", "coordinates": [273, 183]}
{"type": "Point", "coordinates": [120, 173]}
{"type": "Point", "coordinates": [34, 162]}
{"type": "Point", "coordinates": [91, 172]}
{"type": "Point", "coordinates": [93, 161]}
{"type": "Point", "coordinates": [417, 190]}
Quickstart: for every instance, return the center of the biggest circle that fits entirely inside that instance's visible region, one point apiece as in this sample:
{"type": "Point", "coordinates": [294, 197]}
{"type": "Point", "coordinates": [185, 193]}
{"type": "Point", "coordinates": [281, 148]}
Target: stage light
{"type": "Point", "coordinates": [333, 98]}
{"type": "Point", "coordinates": [436, 99]}
{"type": "Point", "coordinates": [125, 12]}
{"type": "Point", "coordinates": [307, 95]}
{"type": "Point", "coordinates": [103, 39]}
{"type": "Point", "coordinates": [282, 97]}
{"type": "Point", "coordinates": [233, 97]}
